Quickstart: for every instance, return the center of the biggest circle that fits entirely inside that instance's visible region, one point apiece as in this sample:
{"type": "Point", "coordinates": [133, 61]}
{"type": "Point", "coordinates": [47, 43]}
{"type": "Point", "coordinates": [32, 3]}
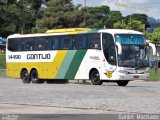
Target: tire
{"type": "Point", "coordinates": [25, 76]}
{"type": "Point", "coordinates": [122, 82]}
{"type": "Point", "coordinates": [34, 77]}
{"type": "Point", "coordinates": [95, 77]}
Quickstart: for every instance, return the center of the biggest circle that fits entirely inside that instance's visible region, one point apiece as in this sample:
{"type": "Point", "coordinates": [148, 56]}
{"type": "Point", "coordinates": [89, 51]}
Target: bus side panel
{"type": "Point", "coordinates": [65, 64]}
{"type": "Point", "coordinates": [51, 69]}
{"type": "Point", "coordinates": [92, 59]}
{"type": "Point", "coordinates": [13, 70]}
{"type": "Point", "coordinates": [75, 64]}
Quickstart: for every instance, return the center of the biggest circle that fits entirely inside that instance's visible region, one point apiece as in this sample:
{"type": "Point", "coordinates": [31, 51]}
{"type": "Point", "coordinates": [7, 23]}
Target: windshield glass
{"type": "Point", "coordinates": [130, 39]}
{"type": "Point", "coordinates": [133, 56]}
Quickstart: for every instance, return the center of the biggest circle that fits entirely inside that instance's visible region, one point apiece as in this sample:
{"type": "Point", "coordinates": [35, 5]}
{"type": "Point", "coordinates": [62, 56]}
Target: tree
{"type": "Point", "coordinates": [95, 16]}
{"type": "Point", "coordinates": [113, 17]}
{"type": "Point", "coordinates": [130, 24]}
{"type": "Point", "coordinates": [155, 36]}
{"type": "Point", "coordinates": [139, 17]}
{"type": "Point", "coordinates": [59, 14]}
{"type": "Point", "coordinates": [7, 16]}
{"type": "Point", "coordinates": [135, 25]}
{"type": "Point", "coordinates": [120, 25]}
{"type": "Point", "coordinates": [17, 16]}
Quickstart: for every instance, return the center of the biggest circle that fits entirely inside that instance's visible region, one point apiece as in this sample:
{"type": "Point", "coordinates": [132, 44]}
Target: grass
{"type": "Point", "coordinates": [2, 61]}
{"type": "Point", "coordinates": [2, 65]}
{"type": "Point", "coordinates": [2, 73]}
{"type": "Point", "coordinates": [155, 76]}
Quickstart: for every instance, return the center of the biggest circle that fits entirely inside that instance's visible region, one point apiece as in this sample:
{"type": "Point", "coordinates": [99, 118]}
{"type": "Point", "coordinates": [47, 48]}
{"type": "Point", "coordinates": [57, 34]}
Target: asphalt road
{"type": "Point", "coordinates": [137, 97]}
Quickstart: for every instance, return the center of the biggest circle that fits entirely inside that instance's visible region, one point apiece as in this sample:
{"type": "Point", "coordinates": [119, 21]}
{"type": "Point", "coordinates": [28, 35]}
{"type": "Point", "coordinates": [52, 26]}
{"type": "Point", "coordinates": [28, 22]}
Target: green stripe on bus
{"type": "Point", "coordinates": [89, 31]}
{"type": "Point", "coordinates": [65, 65]}
{"type": "Point", "coordinates": [92, 31]}
{"type": "Point", "coordinates": [76, 62]}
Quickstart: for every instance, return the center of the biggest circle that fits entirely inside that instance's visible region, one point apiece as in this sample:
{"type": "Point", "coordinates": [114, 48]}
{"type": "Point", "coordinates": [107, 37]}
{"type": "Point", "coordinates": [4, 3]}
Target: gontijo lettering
{"type": "Point", "coordinates": [38, 56]}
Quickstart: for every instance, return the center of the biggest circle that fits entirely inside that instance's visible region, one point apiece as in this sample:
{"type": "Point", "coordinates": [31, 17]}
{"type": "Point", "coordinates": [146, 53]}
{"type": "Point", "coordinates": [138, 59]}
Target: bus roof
{"type": "Point", "coordinates": [120, 31]}
{"type": "Point", "coordinates": [76, 31]}
{"type": "Point", "coordinates": [67, 30]}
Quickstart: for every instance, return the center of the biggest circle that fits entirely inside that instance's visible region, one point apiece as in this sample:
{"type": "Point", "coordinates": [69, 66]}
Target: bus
{"type": "Point", "coordinates": [154, 54]}
{"type": "Point", "coordinates": [104, 55]}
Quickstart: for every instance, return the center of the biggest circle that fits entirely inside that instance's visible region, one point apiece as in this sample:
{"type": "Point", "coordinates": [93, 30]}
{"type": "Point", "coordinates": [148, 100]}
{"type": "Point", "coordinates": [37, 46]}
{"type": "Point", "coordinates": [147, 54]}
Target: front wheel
{"type": "Point", "coordinates": [122, 82]}
{"type": "Point", "coordinates": [34, 77]}
{"type": "Point", "coordinates": [95, 78]}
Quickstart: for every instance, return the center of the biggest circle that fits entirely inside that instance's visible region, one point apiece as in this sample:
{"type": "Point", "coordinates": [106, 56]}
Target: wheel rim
{"type": "Point", "coordinates": [24, 75]}
{"type": "Point", "coordinates": [95, 76]}
{"type": "Point", "coordinates": [34, 76]}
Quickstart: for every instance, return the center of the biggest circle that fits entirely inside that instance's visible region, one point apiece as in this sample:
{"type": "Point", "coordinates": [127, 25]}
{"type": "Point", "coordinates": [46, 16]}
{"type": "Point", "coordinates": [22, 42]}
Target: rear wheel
{"type": "Point", "coordinates": [34, 77]}
{"type": "Point", "coordinates": [95, 77]}
{"type": "Point", "coordinates": [122, 82]}
{"type": "Point", "coordinates": [25, 76]}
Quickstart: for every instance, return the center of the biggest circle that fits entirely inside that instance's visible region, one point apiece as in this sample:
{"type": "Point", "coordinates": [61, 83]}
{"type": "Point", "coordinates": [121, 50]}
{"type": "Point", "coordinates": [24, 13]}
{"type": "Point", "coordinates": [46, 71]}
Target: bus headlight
{"type": "Point", "coordinates": [147, 70]}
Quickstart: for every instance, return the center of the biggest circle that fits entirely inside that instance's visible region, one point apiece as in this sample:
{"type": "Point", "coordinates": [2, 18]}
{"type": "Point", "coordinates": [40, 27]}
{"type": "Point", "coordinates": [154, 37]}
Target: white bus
{"type": "Point", "coordinates": [106, 55]}
{"type": "Point", "coordinates": [154, 54]}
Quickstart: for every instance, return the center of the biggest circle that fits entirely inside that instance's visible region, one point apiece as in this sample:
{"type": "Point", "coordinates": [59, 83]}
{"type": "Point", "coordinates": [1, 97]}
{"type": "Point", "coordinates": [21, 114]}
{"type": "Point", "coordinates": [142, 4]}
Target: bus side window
{"type": "Point", "coordinates": [11, 44]}
{"type": "Point", "coordinates": [94, 41]}
{"type": "Point", "coordinates": [30, 44]}
{"type": "Point", "coordinates": [49, 43]}
{"type": "Point", "coordinates": [66, 42]}
{"type": "Point", "coordinates": [80, 41]}
{"type": "Point", "coordinates": [41, 43]}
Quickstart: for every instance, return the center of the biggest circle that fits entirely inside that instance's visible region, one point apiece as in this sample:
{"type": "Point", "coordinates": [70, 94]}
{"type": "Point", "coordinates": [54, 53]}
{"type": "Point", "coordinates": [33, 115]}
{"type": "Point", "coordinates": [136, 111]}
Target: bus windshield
{"type": "Point", "coordinates": [133, 56]}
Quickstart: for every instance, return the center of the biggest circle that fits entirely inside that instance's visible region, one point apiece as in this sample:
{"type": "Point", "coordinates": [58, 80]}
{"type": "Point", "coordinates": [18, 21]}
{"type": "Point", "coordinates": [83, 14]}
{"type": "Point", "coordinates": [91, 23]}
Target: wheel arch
{"type": "Point", "coordinates": [33, 69]}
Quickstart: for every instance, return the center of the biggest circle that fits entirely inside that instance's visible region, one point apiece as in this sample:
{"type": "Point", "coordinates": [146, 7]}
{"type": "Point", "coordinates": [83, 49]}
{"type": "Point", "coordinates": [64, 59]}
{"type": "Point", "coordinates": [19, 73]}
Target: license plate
{"type": "Point", "coordinates": [136, 77]}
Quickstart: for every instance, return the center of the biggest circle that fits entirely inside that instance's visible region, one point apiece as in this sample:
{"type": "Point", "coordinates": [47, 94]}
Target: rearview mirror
{"type": "Point", "coordinates": [119, 48]}
{"type": "Point", "coordinates": [153, 48]}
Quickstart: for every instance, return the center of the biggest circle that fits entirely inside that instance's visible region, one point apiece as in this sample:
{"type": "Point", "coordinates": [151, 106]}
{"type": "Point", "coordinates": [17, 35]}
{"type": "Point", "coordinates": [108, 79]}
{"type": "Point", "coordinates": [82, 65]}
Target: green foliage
{"type": "Point", "coordinates": [7, 25]}
{"type": "Point", "coordinates": [153, 75]}
{"type": "Point", "coordinates": [2, 61]}
{"type": "Point", "coordinates": [59, 14]}
{"type": "Point", "coordinates": [26, 16]}
{"type": "Point", "coordinates": [113, 17]}
{"type": "Point", "coordinates": [136, 25]}
{"type": "Point", "coordinates": [139, 17]}
{"type": "Point", "coordinates": [95, 17]}
{"type": "Point", "coordinates": [2, 73]}
{"type": "Point", "coordinates": [130, 24]}
{"type": "Point", "coordinates": [120, 25]}
{"type": "Point", "coordinates": [155, 36]}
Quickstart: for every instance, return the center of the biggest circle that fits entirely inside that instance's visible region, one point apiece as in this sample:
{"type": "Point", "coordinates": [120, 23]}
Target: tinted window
{"type": "Point", "coordinates": [65, 42]}
{"type": "Point", "coordinates": [80, 41]}
{"type": "Point", "coordinates": [31, 44]}
{"type": "Point", "coordinates": [109, 48]}
{"type": "Point", "coordinates": [41, 43]}
{"type": "Point", "coordinates": [94, 41]}
{"type": "Point", "coordinates": [52, 43]}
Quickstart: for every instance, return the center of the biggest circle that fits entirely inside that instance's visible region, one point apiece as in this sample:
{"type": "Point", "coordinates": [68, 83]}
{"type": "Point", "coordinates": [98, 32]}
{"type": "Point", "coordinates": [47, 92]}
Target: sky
{"type": "Point", "coordinates": [149, 7]}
